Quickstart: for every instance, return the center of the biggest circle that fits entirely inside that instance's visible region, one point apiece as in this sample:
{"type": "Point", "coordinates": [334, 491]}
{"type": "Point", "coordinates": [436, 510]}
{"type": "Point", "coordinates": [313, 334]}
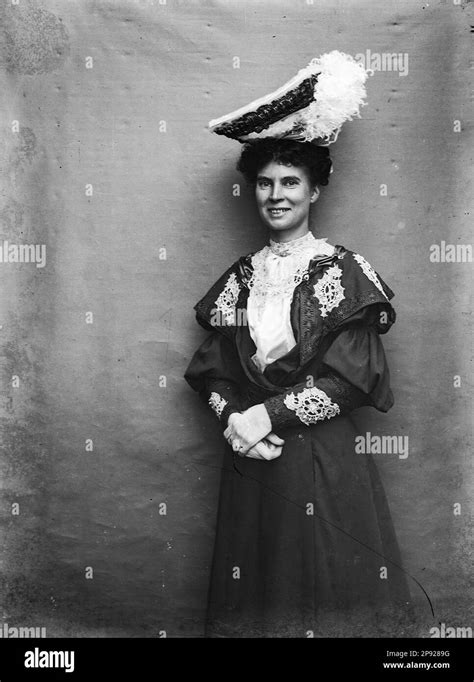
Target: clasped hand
{"type": "Point", "coordinates": [250, 434]}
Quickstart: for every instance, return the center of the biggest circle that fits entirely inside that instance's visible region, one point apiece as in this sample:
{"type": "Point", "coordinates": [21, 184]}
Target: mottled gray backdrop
{"type": "Point", "coordinates": [110, 167]}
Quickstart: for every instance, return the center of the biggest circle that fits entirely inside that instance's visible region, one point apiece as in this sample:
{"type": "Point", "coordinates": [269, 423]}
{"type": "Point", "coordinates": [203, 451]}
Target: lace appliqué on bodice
{"type": "Point", "coordinates": [369, 272]}
{"type": "Point", "coordinates": [311, 405]}
{"type": "Point", "coordinates": [329, 290]}
{"type": "Point", "coordinates": [227, 299]}
{"type": "Point", "coordinates": [217, 402]}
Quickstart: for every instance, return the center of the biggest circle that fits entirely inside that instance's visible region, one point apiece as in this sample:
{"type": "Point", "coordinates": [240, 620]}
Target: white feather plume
{"type": "Point", "coordinates": [338, 95]}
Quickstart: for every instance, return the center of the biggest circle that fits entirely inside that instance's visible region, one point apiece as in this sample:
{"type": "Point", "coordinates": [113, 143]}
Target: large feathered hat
{"type": "Point", "coordinates": [311, 107]}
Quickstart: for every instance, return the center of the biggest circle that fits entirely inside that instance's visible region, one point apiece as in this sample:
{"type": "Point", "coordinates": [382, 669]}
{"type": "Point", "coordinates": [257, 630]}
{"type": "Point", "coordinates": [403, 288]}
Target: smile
{"type": "Point", "coordinates": [277, 211]}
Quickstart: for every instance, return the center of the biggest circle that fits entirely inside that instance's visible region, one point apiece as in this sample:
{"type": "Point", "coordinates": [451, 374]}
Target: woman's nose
{"type": "Point", "coordinates": [275, 194]}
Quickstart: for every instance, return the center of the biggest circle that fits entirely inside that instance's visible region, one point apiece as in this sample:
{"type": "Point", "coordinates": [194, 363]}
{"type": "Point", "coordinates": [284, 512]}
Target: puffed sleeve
{"type": "Point", "coordinates": [215, 373]}
{"type": "Point", "coordinates": [354, 374]}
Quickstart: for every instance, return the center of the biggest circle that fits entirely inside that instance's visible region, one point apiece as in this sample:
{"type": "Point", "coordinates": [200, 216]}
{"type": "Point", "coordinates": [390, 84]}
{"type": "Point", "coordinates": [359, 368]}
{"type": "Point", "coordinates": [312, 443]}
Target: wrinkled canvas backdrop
{"type": "Point", "coordinates": [109, 463]}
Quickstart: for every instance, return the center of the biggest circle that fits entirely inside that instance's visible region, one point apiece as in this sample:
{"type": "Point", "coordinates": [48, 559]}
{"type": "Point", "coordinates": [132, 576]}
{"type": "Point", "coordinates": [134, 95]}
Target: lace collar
{"type": "Point", "coordinates": [294, 246]}
{"type": "Point", "coordinates": [265, 281]}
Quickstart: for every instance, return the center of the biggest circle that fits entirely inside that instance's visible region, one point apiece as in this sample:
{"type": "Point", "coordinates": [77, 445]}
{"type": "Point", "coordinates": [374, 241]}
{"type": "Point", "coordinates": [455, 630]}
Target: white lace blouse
{"type": "Point", "coordinates": [277, 269]}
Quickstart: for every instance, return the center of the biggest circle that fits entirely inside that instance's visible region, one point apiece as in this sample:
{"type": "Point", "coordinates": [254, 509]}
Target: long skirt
{"type": "Point", "coordinates": [305, 545]}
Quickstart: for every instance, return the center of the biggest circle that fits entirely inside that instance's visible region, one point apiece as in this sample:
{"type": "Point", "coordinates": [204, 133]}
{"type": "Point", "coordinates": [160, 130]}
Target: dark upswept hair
{"type": "Point", "coordinates": [256, 154]}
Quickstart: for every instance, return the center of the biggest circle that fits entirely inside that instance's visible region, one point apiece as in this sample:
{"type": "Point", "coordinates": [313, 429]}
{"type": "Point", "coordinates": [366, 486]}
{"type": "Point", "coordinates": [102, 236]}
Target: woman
{"type": "Point", "coordinates": [304, 540]}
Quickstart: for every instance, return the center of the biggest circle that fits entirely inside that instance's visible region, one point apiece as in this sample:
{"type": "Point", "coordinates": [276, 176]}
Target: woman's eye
{"type": "Point", "coordinates": [263, 183]}
{"type": "Point", "coordinates": [291, 183]}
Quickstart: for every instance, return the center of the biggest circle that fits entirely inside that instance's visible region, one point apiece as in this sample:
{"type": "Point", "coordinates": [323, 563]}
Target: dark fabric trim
{"type": "Point", "coordinates": [266, 114]}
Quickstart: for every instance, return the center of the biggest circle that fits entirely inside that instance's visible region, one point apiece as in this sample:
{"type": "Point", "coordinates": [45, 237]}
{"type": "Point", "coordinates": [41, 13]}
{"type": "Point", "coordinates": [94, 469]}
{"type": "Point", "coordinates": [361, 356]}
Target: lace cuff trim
{"type": "Point", "coordinates": [217, 402]}
{"type": "Point", "coordinates": [311, 405]}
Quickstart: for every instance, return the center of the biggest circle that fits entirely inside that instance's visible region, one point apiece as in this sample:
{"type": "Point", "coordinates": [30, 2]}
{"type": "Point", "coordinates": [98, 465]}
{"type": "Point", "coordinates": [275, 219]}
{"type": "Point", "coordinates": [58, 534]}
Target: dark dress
{"type": "Point", "coordinates": [304, 543]}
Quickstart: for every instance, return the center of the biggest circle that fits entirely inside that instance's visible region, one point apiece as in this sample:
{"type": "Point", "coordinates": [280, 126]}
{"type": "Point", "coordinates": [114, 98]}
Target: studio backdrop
{"type": "Point", "coordinates": [118, 210]}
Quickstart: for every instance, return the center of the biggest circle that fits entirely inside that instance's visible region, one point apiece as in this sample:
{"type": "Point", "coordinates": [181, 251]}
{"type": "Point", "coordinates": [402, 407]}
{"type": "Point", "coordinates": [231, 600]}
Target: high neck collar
{"type": "Point", "coordinates": [294, 245]}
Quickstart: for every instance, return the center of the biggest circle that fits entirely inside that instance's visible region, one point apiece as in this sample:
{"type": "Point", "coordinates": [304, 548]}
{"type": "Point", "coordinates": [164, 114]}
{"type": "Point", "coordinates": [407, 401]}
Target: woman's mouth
{"type": "Point", "coordinates": [276, 212]}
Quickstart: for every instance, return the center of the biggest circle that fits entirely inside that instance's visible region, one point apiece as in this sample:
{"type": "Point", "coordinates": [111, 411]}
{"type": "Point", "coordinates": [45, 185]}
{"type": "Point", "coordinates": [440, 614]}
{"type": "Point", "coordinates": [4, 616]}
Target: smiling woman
{"type": "Point", "coordinates": [304, 540]}
{"type": "Point", "coordinates": [286, 176]}
{"type": "Point", "coordinates": [283, 199]}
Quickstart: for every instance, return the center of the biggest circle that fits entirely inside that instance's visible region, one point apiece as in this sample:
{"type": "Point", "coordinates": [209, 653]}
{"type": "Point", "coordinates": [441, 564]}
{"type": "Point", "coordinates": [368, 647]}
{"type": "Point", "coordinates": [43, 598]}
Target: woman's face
{"type": "Point", "coordinates": [284, 194]}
